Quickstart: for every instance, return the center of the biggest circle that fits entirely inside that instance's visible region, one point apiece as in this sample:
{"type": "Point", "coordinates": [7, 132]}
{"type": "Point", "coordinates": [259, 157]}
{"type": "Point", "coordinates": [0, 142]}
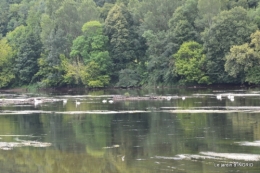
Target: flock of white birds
{"type": "Point", "coordinates": [77, 103]}
{"type": "Point", "coordinates": [229, 96]}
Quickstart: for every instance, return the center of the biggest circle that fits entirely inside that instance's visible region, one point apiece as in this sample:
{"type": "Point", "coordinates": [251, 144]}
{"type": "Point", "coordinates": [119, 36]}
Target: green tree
{"type": "Point", "coordinates": [158, 64]}
{"type": "Point", "coordinates": [207, 9]}
{"type": "Point", "coordinates": [61, 24]}
{"type": "Point", "coordinates": [27, 55]}
{"type": "Point", "coordinates": [182, 23]}
{"type": "Point", "coordinates": [91, 59]}
{"type": "Point", "coordinates": [163, 41]}
{"type": "Point", "coordinates": [26, 43]}
{"type": "Point", "coordinates": [6, 64]}
{"type": "Point", "coordinates": [253, 3]}
{"type": "Point", "coordinates": [4, 9]}
{"type": "Point", "coordinates": [92, 47]}
{"type": "Point", "coordinates": [88, 75]}
{"type": "Point", "coordinates": [253, 75]}
{"type": "Point", "coordinates": [240, 60]}
{"type": "Point", "coordinates": [254, 15]}
{"type": "Point", "coordinates": [105, 10]}
{"type": "Point", "coordinates": [102, 3]}
{"type": "Point", "coordinates": [189, 63]}
{"type": "Point", "coordinates": [18, 13]}
{"type": "Point", "coordinates": [117, 29]}
{"type": "Point", "coordinates": [229, 28]}
{"type": "Point", "coordinates": [128, 78]}
{"type": "Point", "coordinates": [243, 61]}
{"type": "Point", "coordinates": [238, 3]}
{"type": "Point", "coordinates": [153, 14]}
{"type": "Point", "coordinates": [125, 46]}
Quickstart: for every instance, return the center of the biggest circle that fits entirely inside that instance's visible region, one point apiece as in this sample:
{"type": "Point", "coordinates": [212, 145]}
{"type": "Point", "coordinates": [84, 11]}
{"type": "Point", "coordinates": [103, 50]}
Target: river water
{"type": "Point", "coordinates": [202, 133]}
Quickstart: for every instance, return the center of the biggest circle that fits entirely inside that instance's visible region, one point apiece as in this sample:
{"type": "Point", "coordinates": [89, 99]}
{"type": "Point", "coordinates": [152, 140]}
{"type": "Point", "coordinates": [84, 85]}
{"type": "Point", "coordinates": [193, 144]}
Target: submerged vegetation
{"type": "Point", "coordinates": [127, 43]}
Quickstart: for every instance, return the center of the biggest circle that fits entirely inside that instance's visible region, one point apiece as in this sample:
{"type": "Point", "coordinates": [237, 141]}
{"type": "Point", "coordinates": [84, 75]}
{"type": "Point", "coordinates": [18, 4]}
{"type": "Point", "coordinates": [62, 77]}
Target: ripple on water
{"type": "Point", "coordinates": [213, 156]}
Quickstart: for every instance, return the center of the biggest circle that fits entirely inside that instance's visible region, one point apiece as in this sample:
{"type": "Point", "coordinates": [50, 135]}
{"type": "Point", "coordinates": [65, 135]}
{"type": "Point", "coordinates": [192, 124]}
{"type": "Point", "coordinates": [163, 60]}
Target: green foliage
{"type": "Point", "coordinates": [131, 42]}
{"type": "Point", "coordinates": [117, 29]}
{"type": "Point", "coordinates": [125, 46]}
{"type": "Point", "coordinates": [32, 88]}
{"type": "Point", "coordinates": [6, 64]}
{"type": "Point", "coordinates": [182, 23]}
{"type": "Point", "coordinates": [128, 78]}
{"type": "Point", "coordinates": [27, 55]}
{"type": "Point", "coordinates": [105, 10]}
{"type": "Point", "coordinates": [228, 28]}
{"type": "Point", "coordinates": [96, 79]}
{"type": "Point", "coordinates": [154, 14]}
{"type": "Point", "coordinates": [154, 50]}
{"type": "Point", "coordinates": [80, 74]}
{"type": "Point", "coordinates": [240, 60]}
{"type": "Point", "coordinates": [158, 65]}
{"type": "Point", "coordinates": [92, 47]}
{"type": "Point", "coordinates": [102, 3]}
{"type": "Point", "coordinates": [127, 94]}
{"type": "Point", "coordinates": [207, 9]}
{"type": "Point", "coordinates": [190, 63]}
{"type": "Point", "coordinates": [253, 75]}
{"type": "Point", "coordinates": [61, 24]}
{"type": "Point", "coordinates": [4, 6]}
{"type": "Point", "coordinates": [48, 75]}
{"type": "Point", "coordinates": [254, 15]}
{"type": "Point", "coordinates": [243, 61]}
{"type": "Point", "coordinates": [18, 13]}
{"type": "Point", "coordinates": [237, 3]}
{"type": "Point", "coordinates": [253, 3]}
{"type": "Point", "coordinates": [27, 47]}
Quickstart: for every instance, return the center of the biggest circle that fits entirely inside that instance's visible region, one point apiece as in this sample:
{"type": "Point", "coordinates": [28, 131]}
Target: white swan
{"type": "Point", "coordinates": [183, 98]}
{"type": "Point", "coordinates": [77, 103]}
{"type": "Point", "coordinates": [168, 98]}
{"type": "Point", "coordinates": [104, 101]}
{"type": "Point", "coordinates": [111, 101]}
{"type": "Point", "coordinates": [36, 102]}
{"type": "Point", "coordinates": [65, 101]}
{"type": "Point", "coordinates": [219, 97]}
{"type": "Point", "coordinates": [231, 97]}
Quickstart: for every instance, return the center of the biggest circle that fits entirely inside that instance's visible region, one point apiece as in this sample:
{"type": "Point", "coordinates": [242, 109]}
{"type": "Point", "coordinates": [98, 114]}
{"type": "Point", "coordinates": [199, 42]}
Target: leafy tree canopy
{"type": "Point", "coordinates": [190, 63]}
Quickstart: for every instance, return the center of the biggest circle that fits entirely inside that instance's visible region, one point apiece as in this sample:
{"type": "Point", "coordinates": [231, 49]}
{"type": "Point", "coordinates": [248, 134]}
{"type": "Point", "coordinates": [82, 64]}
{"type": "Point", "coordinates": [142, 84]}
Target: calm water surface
{"type": "Point", "coordinates": [201, 134]}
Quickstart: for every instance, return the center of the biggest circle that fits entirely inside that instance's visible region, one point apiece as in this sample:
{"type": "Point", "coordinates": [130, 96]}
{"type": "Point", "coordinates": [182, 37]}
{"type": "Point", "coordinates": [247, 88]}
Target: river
{"type": "Point", "coordinates": [198, 130]}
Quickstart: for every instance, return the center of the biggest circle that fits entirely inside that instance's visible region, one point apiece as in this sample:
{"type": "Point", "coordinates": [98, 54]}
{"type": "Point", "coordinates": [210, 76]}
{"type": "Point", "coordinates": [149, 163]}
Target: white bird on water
{"type": "Point", "coordinates": [111, 101]}
{"type": "Point", "coordinates": [36, 101]}
{"type": "Point", "coordinates": [168, 98]}
{"type": "Point", "coordinates": [64, 101]}
{"type": "Point", "coordinates": [104, 101]}
{"type": "Point", "coordinates": [219, 97]}
{"type": "Point", "coordinates": [77, 103]}
{"type": "Point", "coordinates": [232, 97]}
{"type": "Point", "coordinates": [183, 98]}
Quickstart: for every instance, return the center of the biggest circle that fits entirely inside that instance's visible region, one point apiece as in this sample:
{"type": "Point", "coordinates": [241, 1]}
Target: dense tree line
{"type": "Point", "coordinates": [125, 43]}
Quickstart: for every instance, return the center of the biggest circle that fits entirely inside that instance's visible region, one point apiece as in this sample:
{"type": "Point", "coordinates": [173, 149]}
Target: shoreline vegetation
{"type": "Point", "coordinates": [25, 99]}
{"type": "Point", "coordinates": [33, 88]}
{"type": "Point", "coordinates": [129, 43]}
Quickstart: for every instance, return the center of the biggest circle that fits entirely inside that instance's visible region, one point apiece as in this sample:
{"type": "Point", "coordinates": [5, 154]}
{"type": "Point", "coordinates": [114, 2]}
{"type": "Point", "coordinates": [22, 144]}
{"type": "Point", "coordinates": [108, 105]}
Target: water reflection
{"type": "Point", "coordinates": [198, 134]}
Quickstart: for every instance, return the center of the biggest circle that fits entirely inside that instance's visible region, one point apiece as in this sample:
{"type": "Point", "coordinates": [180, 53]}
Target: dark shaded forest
{"type": "Point", "coordinates": [129, 43]}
